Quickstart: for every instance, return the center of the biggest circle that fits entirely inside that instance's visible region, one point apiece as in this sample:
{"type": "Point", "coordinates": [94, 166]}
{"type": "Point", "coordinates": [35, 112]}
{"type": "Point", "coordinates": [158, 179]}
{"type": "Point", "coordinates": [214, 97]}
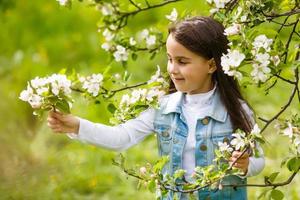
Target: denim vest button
{"type": "Point", "coordinates": [226, 140]}
{"type": "Point", "coordinates": [205, 121]}
{"type": "Point", "coordinates": [203, 147]}
{"type": "Point", "coordinates": [176, 140]}
{"type": "Point", "coordinates": [165, 134]}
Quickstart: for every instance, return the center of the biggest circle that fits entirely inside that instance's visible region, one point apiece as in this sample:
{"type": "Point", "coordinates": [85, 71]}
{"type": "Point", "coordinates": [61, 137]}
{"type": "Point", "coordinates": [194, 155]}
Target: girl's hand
{"type": "Point", "coordinates": [242, 163]}
{"type": "Point", "coordinates": [61, 123]}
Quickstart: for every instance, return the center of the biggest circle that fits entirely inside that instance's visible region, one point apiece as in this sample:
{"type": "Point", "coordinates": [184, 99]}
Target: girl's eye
{"type": "Point", "coordinates": [182, 62]}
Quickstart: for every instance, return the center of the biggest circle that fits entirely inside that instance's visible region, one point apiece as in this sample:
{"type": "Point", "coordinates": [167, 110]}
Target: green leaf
{"type": "Point", "coordinates": [111, 108]}
{"type": "Point", "coordinates": [160, 164]}
{"type": "Point", "coordinates": [273, 176]}
{"type": "Point", "coordinates": [134, 56]}
{"type": "Point", "coordinates": [62, 71]}
{"type": "Point", "coordinates": [179, 173]}
{"type": "Point", "coordinates": [293, 164]}
{"type": "Point", "coordinates": [52, 99]}
{"type": "Point", "coordinates": [153, 55]}
{"type": "Point", "coordinates": [263, 194]}
{"type": "Point", "coordinates": [283, 162]}
{"type": "Point", "coordinates": [106, 71]}
{"type": "Point", "coordinates": [151, 186]}
{"type": "Point", "coordinates": [63, 106]}
{"type": "Point", "coordinates": [277, 195]}
{"type": "Point", "coordinates": [126, 76]}
{"type": "Point", "coordinates": [192, 196]}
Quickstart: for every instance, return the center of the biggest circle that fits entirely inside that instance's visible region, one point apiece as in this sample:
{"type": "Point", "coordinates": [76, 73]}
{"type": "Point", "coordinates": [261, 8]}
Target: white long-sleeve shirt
{"type": "Point", "coordinates": [125, 135]}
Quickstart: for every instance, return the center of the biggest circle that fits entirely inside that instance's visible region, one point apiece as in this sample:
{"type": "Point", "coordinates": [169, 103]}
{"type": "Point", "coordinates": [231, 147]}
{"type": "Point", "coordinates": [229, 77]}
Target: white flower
{"type": "Point", "coordinates": [117, 76]}
{"type": "Point", "coordinates": [108, 35]}
{"type": "Point", "coordinates": [263, 59]}
{"type": "Point", "coordinates": [38, 82]}
{"type": "Point", "coordinates": [63, 2]}
{"type": "Point", "coordinates": [220, 3]}
{"type": "Point", "coordinates": [173, 16]}
{"type": "Point", "coordinates": [92, 84]}
{"type": "Point", "coordinates": [41, 90]}
{"type": "Point", "coordinates": [125, 100]}
{"type": "Point", "coordinates": [288, 131]}
{"type": "Point", "coordinates": [132, 42]}
{"type": "Point", "coordinates": [213, 10]}
{"type": "Point", "coordinates": [138, 94]}
{"type": "Point", "coordinates": [156, 76]}
{"type": "Point", "coordinates": [235, 74]}
{"type": "Point", "coordinates": [297, 140]}
{"type": "Point", "coordinates": [259, 73]}
{"type": "Point", "coordinates": [262, 41]}
{"type": "Point", "coordinates": [113, 27]}
{"type": "Point", "coordinates": [238, 142]}
{"type": "Point", "coordinates": [96, 78]}
{"type": "Point", "coordinates": [275, 60]}
{"type": "Point", "coordinates": [232, 59]}
{"type": "Point", "coordinates": [121, 54]}
{"type": "Point", "coordinates": [82, 79]}
{"type": "Point", "coordinates": [93, 89]}
{"type": "Point", "coordinates": [107, 9]}
{"type": "Point", "coordinates": [106, 46]}
{"type": "Point", "coordinates": [35, 101]}
{"type": "Point", "coordinates": [233, 30]}
{"type": "Point", "coordinates": [150, 41]}
{"type": "Point", "coordinates": [256, 131]}
{"type": "Point", "coordinates": [144, 34]}
{"type": "Point", "coordinates": [154, 92]}
{"type": "Point", "coordinates": [26, 94]}
{"type": "Point", "coordinates": [59, 82]}
{"type": "Point", "coordinates": [223, 146]}
{"type": "Point", "coordinates": [244, 18]}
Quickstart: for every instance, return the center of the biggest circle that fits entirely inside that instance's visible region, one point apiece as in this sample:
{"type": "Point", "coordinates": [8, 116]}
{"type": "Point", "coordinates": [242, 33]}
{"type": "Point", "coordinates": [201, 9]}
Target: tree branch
{"type": "Point", "coordinates": [274, 185]}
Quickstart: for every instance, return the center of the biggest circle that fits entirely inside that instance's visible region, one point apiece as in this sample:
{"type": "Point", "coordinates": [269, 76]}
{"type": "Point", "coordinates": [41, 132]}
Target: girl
{"type": "Point", "coordinates": [206, 108]}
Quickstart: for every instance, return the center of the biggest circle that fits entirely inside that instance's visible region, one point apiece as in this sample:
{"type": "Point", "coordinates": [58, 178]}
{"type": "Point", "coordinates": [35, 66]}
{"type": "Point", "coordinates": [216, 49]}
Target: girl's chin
{"type": "Point", "coordinates": [180, 89]}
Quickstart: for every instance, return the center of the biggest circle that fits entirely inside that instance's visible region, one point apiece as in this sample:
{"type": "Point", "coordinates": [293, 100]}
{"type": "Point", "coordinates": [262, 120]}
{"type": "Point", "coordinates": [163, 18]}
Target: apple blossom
{"type": "Point", "coordinates": [173, 16]}
{"type": "Point", "coordinates": [121, 54]}
{"type": "Point", "coordinates": [233, 30]}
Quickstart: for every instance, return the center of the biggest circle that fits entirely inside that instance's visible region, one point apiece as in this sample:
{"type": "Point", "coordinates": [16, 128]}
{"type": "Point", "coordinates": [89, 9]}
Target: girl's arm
{"type": "Point", "coordinates": [116, 138]}
{"type": "Point", "coordinates": [255, 164]}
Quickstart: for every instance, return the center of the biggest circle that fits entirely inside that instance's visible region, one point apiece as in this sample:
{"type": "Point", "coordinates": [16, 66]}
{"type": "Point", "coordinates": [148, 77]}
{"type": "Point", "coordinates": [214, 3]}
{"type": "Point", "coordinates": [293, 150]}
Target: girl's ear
{"type": "Point", "coordinates": [212, 66]}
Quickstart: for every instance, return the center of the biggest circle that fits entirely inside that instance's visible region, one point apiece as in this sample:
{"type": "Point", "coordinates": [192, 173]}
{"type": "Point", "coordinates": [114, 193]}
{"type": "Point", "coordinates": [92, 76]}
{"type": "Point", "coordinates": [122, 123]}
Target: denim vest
{"type": "Point", "coordinates": [171, 128]}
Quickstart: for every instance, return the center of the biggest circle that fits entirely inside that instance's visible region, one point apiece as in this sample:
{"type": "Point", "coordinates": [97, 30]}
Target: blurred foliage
{"type": "Point", "coordinates": [39, 38]}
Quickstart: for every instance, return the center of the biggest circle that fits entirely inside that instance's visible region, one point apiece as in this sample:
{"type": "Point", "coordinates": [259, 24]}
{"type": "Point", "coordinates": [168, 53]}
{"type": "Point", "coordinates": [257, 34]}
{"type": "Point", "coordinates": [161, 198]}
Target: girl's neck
{"type": "Point", "coordinates": [205, 90]}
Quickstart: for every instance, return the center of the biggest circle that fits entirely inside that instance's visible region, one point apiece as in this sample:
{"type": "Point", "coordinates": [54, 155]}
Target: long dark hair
{"type": "Point", "coordinates": [205, 37]}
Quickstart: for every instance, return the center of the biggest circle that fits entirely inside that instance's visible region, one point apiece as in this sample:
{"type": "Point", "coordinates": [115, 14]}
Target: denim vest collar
{"type": "Point", "coordinates": [218, 111]}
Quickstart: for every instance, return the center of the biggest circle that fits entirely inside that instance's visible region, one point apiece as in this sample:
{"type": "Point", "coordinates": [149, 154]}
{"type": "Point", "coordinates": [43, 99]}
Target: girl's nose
{"type": "Point", "coordinates": [172, 68]}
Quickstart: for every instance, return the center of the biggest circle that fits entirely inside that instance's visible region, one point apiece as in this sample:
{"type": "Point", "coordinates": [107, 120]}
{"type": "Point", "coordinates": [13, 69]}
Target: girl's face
{"type": "Point", "coordinates": [190, 72]}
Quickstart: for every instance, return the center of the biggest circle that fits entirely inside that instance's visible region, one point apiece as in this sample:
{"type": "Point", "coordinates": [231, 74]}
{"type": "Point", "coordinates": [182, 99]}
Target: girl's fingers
{"type": "Point", "coordinates": [238, 165]}
{"type": "Point", "coordinates": [236, 154]}
{"type": "Point", "coordinates": [54, 126]}
{"type": "Point", "coordinates": [52, 120]}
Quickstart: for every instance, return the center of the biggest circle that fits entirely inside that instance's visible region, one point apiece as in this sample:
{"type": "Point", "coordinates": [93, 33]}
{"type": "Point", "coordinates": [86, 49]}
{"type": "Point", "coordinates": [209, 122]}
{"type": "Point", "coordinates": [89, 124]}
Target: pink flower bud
{"type": "Point", "coordinates": [143, 170]}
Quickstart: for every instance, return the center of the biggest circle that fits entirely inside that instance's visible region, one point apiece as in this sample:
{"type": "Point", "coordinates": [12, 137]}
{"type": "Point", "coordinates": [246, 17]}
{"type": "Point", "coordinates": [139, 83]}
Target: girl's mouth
{"type": "Point", "coordinates": [178, 79]}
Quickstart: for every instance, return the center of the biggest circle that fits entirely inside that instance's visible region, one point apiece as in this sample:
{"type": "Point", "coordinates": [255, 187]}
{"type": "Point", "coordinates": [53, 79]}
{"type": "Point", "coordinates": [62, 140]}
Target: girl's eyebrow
{"type": "Point", "coordinates": [179, 57]}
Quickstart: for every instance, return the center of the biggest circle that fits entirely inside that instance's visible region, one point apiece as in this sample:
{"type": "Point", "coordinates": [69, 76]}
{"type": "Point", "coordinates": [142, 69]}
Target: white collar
{"type": "Point", "coordinates": [199, 99]}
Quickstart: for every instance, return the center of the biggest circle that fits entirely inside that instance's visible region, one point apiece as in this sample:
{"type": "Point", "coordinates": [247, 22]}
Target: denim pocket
{"type": "Point", "coordinates": [164, 133]}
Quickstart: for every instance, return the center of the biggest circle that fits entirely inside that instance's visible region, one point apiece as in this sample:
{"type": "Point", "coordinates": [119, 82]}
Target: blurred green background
{"type": "Point", "coordinates": [38, 38]}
